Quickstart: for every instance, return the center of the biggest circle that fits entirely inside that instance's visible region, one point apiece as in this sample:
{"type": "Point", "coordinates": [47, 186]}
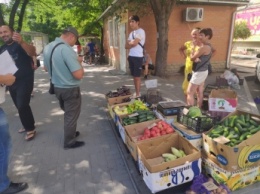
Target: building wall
{"type": "Point", "coordinates": [112, 54]}
{"type": "Point", "coordinates": [179, 32]}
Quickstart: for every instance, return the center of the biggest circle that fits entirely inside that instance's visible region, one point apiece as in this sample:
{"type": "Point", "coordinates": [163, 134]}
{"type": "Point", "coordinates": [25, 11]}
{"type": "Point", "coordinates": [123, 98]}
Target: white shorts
{"type": "Point", "coordinates": [199, 77]}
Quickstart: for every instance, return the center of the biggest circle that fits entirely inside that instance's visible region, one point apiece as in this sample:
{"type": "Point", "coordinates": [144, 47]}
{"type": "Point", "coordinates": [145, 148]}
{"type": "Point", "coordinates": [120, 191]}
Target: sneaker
{"type": "Point", "coordinates": [145, 77]}
{"type": "Point", "coordinates": [15, 188]}
{"type": "Point", "coordinates": [75, 145]}
{"type": "Point", "coordinates": [134, 96]}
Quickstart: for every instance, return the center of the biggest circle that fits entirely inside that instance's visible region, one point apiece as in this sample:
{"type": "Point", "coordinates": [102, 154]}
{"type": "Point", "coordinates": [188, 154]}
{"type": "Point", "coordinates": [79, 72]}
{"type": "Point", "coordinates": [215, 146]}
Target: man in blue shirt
{"type": "Point", "coordinates": [66, 76]}
{"type": "Point", "coordinates": [6, 186]}
{"type": "Point", "coordinates": [91, 49]}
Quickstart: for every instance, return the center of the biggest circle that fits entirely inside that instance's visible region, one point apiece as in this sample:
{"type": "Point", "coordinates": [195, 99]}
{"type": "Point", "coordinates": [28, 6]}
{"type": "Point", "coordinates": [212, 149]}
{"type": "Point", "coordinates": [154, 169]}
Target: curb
{"type": "Point", "coordinates": [250, 98]}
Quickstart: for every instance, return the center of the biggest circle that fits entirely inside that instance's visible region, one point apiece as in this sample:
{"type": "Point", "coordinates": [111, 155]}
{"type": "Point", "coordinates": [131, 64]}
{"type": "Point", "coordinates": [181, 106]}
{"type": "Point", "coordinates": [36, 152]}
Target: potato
{"type": "Point", "coordinates": [210, 180]}
{"type": "Point", "coordinates": [190, 192]}
{"type": "Point", "coordinates": [218, 190]}
{"type": "Point", "coordinates": [224, 191]}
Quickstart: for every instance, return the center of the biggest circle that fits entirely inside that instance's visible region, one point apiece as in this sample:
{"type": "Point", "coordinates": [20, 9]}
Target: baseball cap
{"type": "Point", "coordinates": [135, 18]}
{"type": "Point", "coordinates": [72, 30]}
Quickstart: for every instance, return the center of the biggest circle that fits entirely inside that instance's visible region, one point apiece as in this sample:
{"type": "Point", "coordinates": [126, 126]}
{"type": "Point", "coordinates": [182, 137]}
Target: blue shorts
{"type": "Point", "coordinates": [135, 65]}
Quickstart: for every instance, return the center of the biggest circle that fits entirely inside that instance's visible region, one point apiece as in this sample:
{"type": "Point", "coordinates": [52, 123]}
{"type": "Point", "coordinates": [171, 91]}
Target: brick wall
{"type": "Point", "coordinates": [218, 18]}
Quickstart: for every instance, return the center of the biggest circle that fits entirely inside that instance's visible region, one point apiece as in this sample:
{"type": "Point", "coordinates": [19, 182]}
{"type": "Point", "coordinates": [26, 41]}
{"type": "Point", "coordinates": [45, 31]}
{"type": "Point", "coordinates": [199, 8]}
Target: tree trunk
{"type": "Point", "coordinates": [2, 22]}
{"type": "Point", "coordinates": [12, 14]}
{"type": "Point", "coordinates": [102, 46]}
{"type": "Point", "coordinates": [20, 21]}
{"type": "Point", "coordinates": [162, 11]}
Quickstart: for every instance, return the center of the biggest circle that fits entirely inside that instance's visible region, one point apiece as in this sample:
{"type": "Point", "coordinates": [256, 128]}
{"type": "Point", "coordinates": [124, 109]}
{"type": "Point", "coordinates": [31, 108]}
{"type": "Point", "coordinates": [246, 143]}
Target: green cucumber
{"type": "Point", "coordinates": [237, 130]}
{"type": "Point", "coordinates": [243, 137]}
{"type": "Point", "coordinates": [225, 133]}
{"type": "Point", "coordinates": [242, 118]}
{"type": "Point", "coordinates": [247, 117]}
{"type": "Point", "coordinates": [226, 122]}
{"type": "Point", "coordinates": [253, 122]}
{"type": "Point", "coordinates": [252, 131]}
{"type": "Point", "coordinates": [242, 123]}
{"type": "Point", "coordinates": [232, 120]}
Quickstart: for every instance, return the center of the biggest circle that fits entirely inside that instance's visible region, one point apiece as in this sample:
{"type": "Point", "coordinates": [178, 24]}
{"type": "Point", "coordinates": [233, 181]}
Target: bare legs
{"type": "Point", "coordinates": [146, 70]}
{"type": "Point", "coordinates": [200, 95]}
{"type": "Point", "coordinates": [193, 89]}
{"type": "Point", "coordinates": [137, 83]}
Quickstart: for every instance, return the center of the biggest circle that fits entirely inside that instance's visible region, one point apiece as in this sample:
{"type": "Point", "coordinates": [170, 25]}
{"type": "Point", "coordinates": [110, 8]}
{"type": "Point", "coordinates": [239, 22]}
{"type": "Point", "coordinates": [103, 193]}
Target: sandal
{"type": "Point", "coordinates": [30, 135]}
{"type": "Point", "coordinates": [21, 130]}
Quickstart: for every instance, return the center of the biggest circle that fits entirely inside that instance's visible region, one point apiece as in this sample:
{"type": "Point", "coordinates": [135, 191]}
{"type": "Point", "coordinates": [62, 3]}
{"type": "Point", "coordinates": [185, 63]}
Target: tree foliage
{"type": "Point", "coordinates": [241, 30]}
{"type": "Point", "coordinates": [51, 16]}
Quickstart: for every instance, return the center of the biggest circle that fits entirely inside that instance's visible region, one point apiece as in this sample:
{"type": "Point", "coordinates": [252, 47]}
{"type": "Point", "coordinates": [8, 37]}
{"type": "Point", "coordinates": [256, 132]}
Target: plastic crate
{"type": "Point", "coordinates": [169, 108]}
{"type": "Point", "coordinates": [197, 124]}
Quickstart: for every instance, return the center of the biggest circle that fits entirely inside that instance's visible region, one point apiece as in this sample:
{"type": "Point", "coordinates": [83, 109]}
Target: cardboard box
{"type": "Point", "coordinates": [121, 130]}
{"type": "Point", "coordinates": [232, 179]}
{"type": "Point", "coordinates": [133, 132]}
{"type": "Point", "coordinates": [222, 100]}
{"type": "Point", "coordinates": [150, 152]}
{"type": "Point", "coordinates": [193, 137]}
{"type": "Point", "coordinates": [117, 100]}
{"type": "Point", "coordinates": [245, 154]}
{"type": "Point", "coordinates": [159, 175]}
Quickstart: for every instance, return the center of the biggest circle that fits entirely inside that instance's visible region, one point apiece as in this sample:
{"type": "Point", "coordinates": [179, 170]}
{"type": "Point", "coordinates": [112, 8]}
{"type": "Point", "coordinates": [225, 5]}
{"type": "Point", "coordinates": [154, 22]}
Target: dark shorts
{"type": "Point", "coordinates": [135, 65]}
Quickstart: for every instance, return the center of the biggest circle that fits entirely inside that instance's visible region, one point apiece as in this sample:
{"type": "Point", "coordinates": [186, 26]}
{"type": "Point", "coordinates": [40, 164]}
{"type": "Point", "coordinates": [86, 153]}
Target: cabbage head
{"type": "Point", "coordinates": [194, 111]}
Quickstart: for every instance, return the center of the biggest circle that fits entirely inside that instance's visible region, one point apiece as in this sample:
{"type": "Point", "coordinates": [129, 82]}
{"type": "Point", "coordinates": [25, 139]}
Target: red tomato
{"type": "Point", "coordinates": [163, 133]}
{"type": "Point", "coordinates": [169, 130]}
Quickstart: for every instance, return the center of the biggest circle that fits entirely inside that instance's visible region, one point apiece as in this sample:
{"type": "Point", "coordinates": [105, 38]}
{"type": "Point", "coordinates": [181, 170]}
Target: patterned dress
{"type": "Point", "coordinates": [188, 64]}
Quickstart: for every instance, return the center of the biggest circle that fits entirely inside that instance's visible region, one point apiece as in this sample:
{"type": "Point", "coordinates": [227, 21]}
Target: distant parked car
{"type": "Point", "coordinates": [257, 70]}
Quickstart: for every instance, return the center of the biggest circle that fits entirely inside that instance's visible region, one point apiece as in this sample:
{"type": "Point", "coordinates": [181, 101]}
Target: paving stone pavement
{"type": "Point", "coordinates": [103, 165]}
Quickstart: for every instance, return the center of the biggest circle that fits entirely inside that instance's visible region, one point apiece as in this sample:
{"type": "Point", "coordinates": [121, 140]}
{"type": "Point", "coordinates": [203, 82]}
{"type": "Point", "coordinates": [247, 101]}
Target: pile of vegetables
{"type": "Point", "coordinates": [138, 117]}
{"type": "Point", "coordinates": [158, 129]}
{"type": "Point", "coordinates": [236, 128]}
{"type": "Point", "coordinates": [130, 108]}
{"type": "Point", "coordinates": [174, 155]}
{"type": "Point", "coordinates": [121, 91]}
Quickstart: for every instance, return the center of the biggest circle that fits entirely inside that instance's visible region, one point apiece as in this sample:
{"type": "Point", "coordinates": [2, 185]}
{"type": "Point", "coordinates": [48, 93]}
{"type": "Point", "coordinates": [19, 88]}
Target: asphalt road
{"type": "Point", "coordinates": [246, 69]}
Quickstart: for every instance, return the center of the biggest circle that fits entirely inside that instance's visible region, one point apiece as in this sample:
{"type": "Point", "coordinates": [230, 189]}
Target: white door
{"type": "Point", "coordinates": [122, 47]}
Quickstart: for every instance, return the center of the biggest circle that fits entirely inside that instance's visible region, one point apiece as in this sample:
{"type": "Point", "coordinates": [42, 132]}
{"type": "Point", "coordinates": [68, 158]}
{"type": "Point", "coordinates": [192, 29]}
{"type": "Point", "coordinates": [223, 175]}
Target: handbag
{"type": "Point", "coordinates": [51, 89]}
{"type": "Point", "coordinates": [189, 76]}
{"type": "Point", "coordinates": [38, 63]}
{"type": "Point", "coordinates": [151, 66]}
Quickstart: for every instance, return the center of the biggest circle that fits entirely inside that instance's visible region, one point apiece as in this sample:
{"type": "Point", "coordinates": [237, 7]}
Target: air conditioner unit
{"type": "Point", "coordinates": [193, 14]}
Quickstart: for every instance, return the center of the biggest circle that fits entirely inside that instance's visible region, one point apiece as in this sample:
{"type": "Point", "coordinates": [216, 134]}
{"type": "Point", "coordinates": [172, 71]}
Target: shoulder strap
{"type": "Point", "coordinates": [51, 56]}
{"type": "Point", "coordinates": [138, 42]}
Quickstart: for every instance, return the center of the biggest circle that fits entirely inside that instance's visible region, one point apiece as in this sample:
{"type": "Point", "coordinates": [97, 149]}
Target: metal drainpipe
{"type": "Point", "coordinates": [231, 35]}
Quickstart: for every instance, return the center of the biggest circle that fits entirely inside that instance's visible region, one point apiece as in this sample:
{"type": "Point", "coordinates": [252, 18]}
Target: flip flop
{"type": "Point", "coordinates": [21, 130]}
{"type": "Point", "coordinates": [30, 135]}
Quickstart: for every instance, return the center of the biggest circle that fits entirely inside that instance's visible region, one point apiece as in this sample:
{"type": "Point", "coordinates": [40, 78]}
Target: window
{"type": "Point", "coordinates": [115, 32]}
{"type": "Point", "coordinates": [110, 31]}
